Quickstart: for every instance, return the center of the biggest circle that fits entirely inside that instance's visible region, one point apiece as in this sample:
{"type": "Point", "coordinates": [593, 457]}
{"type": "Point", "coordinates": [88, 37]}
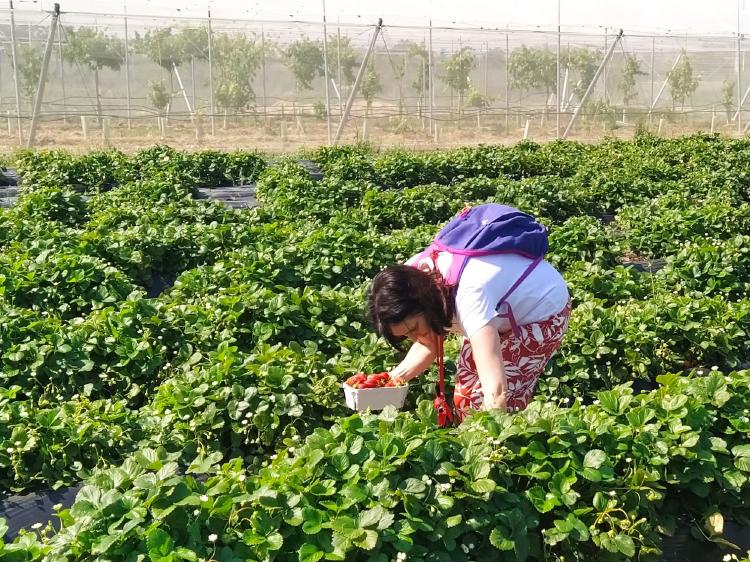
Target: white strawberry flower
{"type": "Point", "coordinates": [204, 498]}
{"type": "Point", "coordinates": [212, 537]}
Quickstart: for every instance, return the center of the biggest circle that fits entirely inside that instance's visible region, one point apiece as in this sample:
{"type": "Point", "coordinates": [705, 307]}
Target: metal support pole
{"type": "Point", "coordinates": [486, 67]}
{"type": "Point", "coordinates": [182, 89]}
{"type": "Point", "coordinates": [507, 83]}
{"type": "Point", "coordinates": [127, 69]}
{"type": "Point", "coordinates": [664, 85]}
{"type": "Point", "coordinates": [211, 76]}
{"type": "Point", "coordinates": [325, 74]}
{"type": "Point", "coordinates": [739, 71]}
{"type": "Point", "coordinates": [604, 72]}
{"type": "Point", "coordinates": [430, 81]}
{"type": "Point", "coordinates": [14, 55]}
{"type": "Point", "coordinates": [62, 76]}
{"type": "Point", "coordinates": [653, 63]}
{"type": "Point", "coordinates": [263, 72]}
{"type": "Point", "coordinates": [742, 103]}
{"type": "Point", "coordinates": [43, 75]}
{"type": "Point", "coordinates": [557, 80]}
{"type": "Point", "coordinates": [338, 70]}
{"type": "Point", "coordinates": [357, 80]}
{"type": "Point", "coordinates": [592, 84]}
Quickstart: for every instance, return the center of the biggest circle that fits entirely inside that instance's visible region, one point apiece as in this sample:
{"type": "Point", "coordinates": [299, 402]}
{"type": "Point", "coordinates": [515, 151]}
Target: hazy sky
{"type": "Point", "coordinates": [678, 16]}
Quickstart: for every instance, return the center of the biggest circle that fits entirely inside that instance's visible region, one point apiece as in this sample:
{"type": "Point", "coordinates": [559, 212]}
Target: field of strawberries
{"type": "Point", "coordinates": [184, 361]}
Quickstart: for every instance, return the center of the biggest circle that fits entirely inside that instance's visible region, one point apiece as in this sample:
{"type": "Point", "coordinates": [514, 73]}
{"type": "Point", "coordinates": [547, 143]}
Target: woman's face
{"type": "Point", "coordinates": [415, 328]}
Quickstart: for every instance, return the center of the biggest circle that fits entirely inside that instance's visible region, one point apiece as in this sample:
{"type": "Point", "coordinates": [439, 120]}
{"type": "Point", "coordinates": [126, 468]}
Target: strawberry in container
{"type": "Point", "coordinates": [374, 392]}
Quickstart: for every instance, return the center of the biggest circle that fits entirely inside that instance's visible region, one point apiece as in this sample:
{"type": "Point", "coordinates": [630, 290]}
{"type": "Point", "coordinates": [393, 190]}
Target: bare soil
{"type": "Point", "coordinates": [279, 136]}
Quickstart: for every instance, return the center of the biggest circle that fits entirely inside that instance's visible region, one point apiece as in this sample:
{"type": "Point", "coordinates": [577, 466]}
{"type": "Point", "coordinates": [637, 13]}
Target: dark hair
{"type": "Point", "coordinates": [400, 291]}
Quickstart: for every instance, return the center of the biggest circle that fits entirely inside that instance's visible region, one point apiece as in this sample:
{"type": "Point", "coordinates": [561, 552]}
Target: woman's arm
{"type": "Point", "coordinates": [417, 360]}
{"type": "Point", "coordinates": [486, 349]}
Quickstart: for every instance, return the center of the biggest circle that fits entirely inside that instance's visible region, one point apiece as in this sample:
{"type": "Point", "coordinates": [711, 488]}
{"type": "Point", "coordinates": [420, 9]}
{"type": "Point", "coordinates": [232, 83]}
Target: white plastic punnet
{"type": "Point", "coordinates": [362, 399]}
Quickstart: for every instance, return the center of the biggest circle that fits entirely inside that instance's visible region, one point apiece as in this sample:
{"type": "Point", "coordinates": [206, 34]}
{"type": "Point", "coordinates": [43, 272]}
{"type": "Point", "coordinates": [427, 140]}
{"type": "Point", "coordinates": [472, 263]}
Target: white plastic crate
{"type": "Point", "coordinates": [362, 399]}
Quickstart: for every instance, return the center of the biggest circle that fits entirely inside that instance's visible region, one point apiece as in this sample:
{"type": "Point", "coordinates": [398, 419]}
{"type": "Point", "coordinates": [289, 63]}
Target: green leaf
{"type": "Point", "coordinates": [414, 486]}
{"type": "Point", "coordinates": [309, 553]}
{"type": "Point", "coordinates": [484, 486]}
{"type": "Point", "coordinates": [500, 540]}
{"type": "Point", "coordinates": [625, 545]}
{"type": "Point", "coordinates": [205, 465]}
{"type": "Point", "coordinates": [159, 543]}
{"type": "Point", "coordinates": [594, 458]}
{"type": "Point", "coordinates": [368, 540]}
{"type": "Point", "coordinates": [275, 540]}
{"type": "Point", "coordinates": [453, 520]}
{"type": "Point", "coordinates": [313, 520]}
{"type": "Point", "coordinates": [371, 517]}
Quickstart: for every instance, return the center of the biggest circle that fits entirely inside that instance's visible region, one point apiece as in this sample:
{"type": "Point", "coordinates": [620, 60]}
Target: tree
{"type": "Point", "coordinates": [457, 69]}
{"type": "Point", "coordinates": [304, 58]}
{"type": "Point", "coordinates": [237, 59]}
{"type": "Point", "coordinates": [531, 67]}
{"type": "Point", "coordinates": [29, 69]}
{"type": "Point", "coordinates": [348, 59]}
{"type": "Point", "coordinates": [727, 97]}
{"type": "Point", "coordinates": [194, 41]}
{"type": "Point", "coordinates": [159, 98]}
{"type": "Point", "coordinates": [195, 47]}
{"type": "Point", "coordinates": [162, 47]}
{"type": "Point", "coordinates": [421, 85]}
{"type": "Point", "coordinates": [89, 47]}
{"type": "Point", "coordinates": [584, 61]}
{"type": "Point", "coordinates": [630, 69]}
{"type": "Point", "coordinates": [158, 95]}
{"type": "Point", "coordinates": [682, 83]}
{"type": "Point", "coordinates": [370, 87]}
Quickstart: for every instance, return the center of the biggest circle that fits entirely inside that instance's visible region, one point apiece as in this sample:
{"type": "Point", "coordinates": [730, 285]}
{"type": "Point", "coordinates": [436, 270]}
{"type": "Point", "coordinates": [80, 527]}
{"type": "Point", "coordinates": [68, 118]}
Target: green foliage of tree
{"type": "Point", "coordinates": [477, 99]}
{"type": "Point", "coordinates": [238, 58]}
{"type": "Point", "coordinates": [584, 62]}
{"type": "Point", "coordinates": [89, 47]}
{"type": "Point", "coordinates": [158, 95]}
{"type": "Point", "coordinates": [728, 97]}
{"type": "Point", "coordinates": [370, 86]}
{"type": "Point", "coordinates": [94, 49]}
{"type": "Point", "coordinates": [682, 83]}
{"type": "Point", "coordinates": [162, 46]}
{"type": "Point", "coordinates": [347, 58]}
{"type": "Point", "coordinates": [418, 53]}
{"type": "Point", "coordinates": [195, 42]}
{"type": "Point", "coordinates": [304, 58]}
{"type": "Point", "coordinates": [531, 68]}
{"type": "Point", "coordinates": [630, 69]}
{"type": "Point", "coordinates": [457, 69]}
{"type": "Point", "coordinates": [29, 68]}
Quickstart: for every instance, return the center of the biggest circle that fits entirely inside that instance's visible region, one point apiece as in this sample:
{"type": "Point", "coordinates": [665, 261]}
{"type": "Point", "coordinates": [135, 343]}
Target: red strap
{"type": "Point", "coordinates": [441, 366]}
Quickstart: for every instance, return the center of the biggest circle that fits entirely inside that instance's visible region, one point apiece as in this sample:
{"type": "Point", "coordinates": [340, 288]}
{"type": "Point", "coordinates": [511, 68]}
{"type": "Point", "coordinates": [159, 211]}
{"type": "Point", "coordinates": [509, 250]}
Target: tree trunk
{"type": "Point", "coordinates": [98, 99]}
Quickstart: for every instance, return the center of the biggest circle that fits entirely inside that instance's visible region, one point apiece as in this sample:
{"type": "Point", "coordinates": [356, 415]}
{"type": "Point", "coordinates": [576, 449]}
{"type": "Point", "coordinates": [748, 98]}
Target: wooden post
{"type": "Point", "coordinates": [84, 127]}
{"type": "Point", "coordinates": [661, 124]}
{"type": "Point", "coordinates": [106, 130]}
{"type": "Point", "coordinates": [526, 130]}
{"type": "Point", "coordinates": [713, 118]}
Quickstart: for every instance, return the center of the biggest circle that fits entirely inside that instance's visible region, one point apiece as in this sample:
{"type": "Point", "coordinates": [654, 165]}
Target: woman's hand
{"type": "Point", "coordinates": [500, 402]}
{"type": "Point", "coordinates": [488, 357]}
{"type": "Point", "coordinates": [417, 360]}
